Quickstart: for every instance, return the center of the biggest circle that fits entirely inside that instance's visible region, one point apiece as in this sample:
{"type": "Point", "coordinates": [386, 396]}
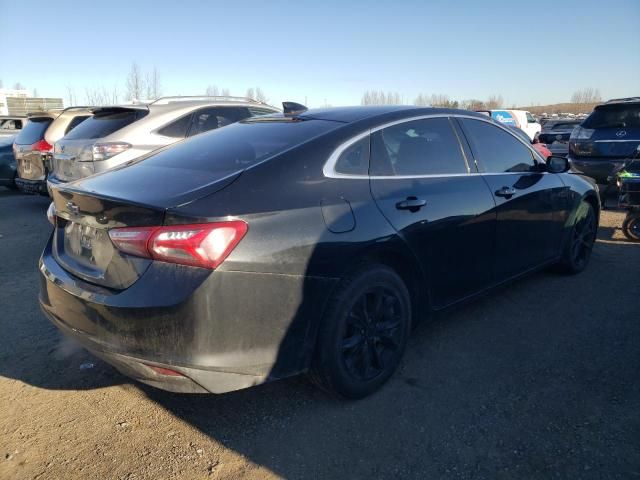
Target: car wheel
{"type": "Point", "coordinates": [577, 252]}
{"type": "Point", "coordinates": [363, 333]}
{"type": "Point", "coordinates": [631, 226]}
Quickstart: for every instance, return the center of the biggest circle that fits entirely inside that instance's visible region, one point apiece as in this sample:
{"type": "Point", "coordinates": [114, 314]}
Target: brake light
{"type": "Point", "coordinates": [580, 133]}
{"type": "Point", "coordinates": [42, 146]}
{"type": "Point", "coordinates": [104, 151]}
{"type": "Point", "coordinates": [204, 245]}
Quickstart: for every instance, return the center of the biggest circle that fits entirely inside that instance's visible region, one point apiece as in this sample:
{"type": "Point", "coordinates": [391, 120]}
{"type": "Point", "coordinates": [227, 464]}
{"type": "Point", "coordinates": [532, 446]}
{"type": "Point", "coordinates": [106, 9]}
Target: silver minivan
{"type": "Point", "coordinates": [117, 134]}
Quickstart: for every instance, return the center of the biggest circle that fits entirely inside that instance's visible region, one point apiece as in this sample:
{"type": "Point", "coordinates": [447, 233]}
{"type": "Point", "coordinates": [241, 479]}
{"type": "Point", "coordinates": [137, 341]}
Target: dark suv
{"type": "Point", "coordinates": [606, 138]}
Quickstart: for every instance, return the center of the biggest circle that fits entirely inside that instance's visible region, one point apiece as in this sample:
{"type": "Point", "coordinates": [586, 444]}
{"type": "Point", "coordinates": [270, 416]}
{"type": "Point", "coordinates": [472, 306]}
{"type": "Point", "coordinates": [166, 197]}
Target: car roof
{"type": "Point", "coordinates": [622, 100]}
{"type": "Point", "coordinates": [371, 112]}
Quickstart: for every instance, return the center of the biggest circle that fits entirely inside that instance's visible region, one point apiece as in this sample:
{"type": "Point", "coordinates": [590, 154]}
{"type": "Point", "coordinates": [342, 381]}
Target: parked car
{"type": "Point", "coordinates": [540, 147]}
{"type": "Point", "coordinates": [34, 145]}
{"type": "Point", "coordinates": [606, 138]}
{"type": "Point", "coordinates": [304, 241]}
{"type": "Point", "coordinates": [7, 162]}
{"type": "Point", "coordinates": [555, 134]}
{"type": "Point", "coordinates": [516, 118]}
{"type": "Point", "coordinates": [11, 125]}
{"type": "Point", "coordinates": [119, 134]}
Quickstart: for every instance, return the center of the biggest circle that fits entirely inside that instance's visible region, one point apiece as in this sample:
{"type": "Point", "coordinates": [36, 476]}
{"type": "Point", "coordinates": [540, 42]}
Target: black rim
{"type": "Point", "coordinates": [584, 234]}
{"type": "Point", "coordinates": [372, 333]}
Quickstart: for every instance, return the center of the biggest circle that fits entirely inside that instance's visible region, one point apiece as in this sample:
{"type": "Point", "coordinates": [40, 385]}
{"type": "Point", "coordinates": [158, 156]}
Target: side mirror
{"type": "Point", "coordinates": [557, 164]}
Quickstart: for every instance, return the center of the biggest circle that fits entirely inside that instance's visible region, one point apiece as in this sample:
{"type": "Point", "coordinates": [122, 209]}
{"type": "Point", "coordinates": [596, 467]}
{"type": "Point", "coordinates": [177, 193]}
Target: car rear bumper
{"type": "Point", "coordinates": [598, 168]}
{"type": "Point", "coordinates": [38, 187]}
{"type": "Point", "coordinates": [221, 331]}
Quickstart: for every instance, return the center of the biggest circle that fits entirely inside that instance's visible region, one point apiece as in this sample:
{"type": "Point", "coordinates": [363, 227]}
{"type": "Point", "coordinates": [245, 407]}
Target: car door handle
{"type": "Point", "coordinates": [506, 192]}
{"type": "Point", "coordinates": [413, 204]}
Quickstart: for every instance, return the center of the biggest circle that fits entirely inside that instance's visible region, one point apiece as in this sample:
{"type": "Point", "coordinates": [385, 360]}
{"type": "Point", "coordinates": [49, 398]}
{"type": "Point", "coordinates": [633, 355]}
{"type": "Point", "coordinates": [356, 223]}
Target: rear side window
{"type": "Point", "coordinates": [33, 131]}
{"type": "Point", "coordinates": [75, 121]}
{"type": "Point", "coordinates": [259, 111]}
{"type": "Point", "coordinates": [105, 123]}
{"type": "Point", "coordinates": [531, 118]}
{"type": "Point", "coordinates": [497, 150]}
{"type": "Point", "coordinates": [614, 116]}
{"type": "Point", "coordinates": [419, 147]}
{"type": "Point", "coordinates": [177, 129]}
{"type": "Point", "coordinates": [10, 124]}
{"type": "Point", "coordinates": [212, 118]}
{"type": "Point", "coordinates": [237, 146]}
{"type": "Point", "coordinates": [355, 159]}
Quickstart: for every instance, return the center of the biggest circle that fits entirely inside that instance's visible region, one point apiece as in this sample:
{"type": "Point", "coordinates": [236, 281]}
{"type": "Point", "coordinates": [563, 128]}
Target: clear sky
{"type": "Point", "coordinates": [529, 51]}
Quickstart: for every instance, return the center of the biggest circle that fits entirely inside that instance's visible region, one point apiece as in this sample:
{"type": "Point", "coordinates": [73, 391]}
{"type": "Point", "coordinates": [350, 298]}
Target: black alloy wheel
{"type": "Point", "coordinates": [372, 333]}
{"type": "Point", "coordinates": [363, 333]}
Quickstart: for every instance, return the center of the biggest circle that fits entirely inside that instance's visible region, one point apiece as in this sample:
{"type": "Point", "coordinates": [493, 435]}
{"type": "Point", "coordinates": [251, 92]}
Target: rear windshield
{"type": "Point", "coordinates": [33, 131]}
{"type": "Point", "coordinates": [103, 124]}
{"type": "Point", "coordinates": [239, 145]}
{"type": "Point", "coordinates": [614, 116]}
{"type": "Point", "coordinates": [565, 126]}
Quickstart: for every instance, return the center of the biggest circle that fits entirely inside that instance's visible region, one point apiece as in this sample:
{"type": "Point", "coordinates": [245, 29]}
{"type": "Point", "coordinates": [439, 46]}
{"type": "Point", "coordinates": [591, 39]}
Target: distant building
{"type": "Point", "coordinates": [18, 102]}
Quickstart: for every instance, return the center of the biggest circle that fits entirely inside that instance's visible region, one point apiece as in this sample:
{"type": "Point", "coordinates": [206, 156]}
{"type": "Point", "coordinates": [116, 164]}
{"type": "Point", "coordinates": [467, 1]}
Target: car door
{"type": "Point", "coordinates": [424, 186]}
{"type": "Point", "coordinates": [529, 202]}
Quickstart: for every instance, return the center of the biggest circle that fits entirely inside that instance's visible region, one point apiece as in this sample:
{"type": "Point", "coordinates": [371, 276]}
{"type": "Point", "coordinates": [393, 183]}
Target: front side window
{"type": "Point", "coordinates": [418, 147]}
{"type": "Point", "coordinates": [495, 149]}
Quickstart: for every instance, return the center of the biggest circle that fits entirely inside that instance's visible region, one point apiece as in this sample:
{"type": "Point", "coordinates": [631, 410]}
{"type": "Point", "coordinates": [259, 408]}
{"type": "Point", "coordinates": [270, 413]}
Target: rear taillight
{"type": "Point", "coordinates": [580, 133]}
{"type": "Point", "coordinates": [203, 245]}
{"type": "Point", "coordinates": [104, 151]}
{"type": "Point", "coordinates": [42, 146]}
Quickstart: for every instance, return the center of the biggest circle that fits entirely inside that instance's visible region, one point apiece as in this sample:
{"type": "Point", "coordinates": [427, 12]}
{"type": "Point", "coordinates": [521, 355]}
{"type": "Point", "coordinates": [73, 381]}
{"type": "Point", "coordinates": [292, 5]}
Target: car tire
{"type": "Point", "coordinates": [577, 250]}
{"type": "Point", "coordinates": [631, 226]}
{"type": "Point", "coordinates": [363, 333]}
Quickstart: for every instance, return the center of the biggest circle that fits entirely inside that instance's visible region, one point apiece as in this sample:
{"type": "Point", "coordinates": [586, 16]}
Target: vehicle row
{"type": "Point", "coordinates": [65, 145]}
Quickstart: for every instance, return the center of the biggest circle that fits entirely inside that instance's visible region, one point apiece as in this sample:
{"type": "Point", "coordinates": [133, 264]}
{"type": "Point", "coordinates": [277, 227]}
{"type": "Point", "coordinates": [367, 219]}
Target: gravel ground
{"type": "Point", "coordinates": [537, 380]}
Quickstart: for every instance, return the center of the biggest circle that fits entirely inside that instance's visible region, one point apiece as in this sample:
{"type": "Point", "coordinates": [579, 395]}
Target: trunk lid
{"type": "Point", "coordinates": [72, 158]}
{"type": "Point", "coordinates": [29, 161]}
{"type": "Point", "coordinates": [608, 143]}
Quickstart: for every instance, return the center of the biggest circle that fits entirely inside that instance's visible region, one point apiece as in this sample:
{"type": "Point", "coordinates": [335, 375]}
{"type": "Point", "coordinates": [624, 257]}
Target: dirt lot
{"type": "Point", "coordinates": [538, 380]}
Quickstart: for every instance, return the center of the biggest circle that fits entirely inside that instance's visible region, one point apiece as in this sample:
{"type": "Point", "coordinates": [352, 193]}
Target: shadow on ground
{"type": "Point", "coordinates": [539, 379]}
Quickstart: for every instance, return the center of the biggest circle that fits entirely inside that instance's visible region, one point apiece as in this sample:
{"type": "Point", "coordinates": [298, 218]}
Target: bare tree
{"type": "Point", "coordinates": [494, 101]}
{"type": "Point", "coordinates": [374, 97]}
{"type": "Point", "coordinates": [18, 86]}
{"type": "Point", "coordinates": [225, 92]}
{"type": "Point", "coordinates": [586, 95]}
{"type": "Point", "coordinates": [100, 96]}
{"type": "Point", "coordinates": [71, 96]}
{"type": "Point", "coordinates": [1, 84]}
{"type": "Point", "coordinates": [154, 89]}
{"type": "Point", "coordinates": [135, 83]}
{"type": "Point", "coordinates": [473, 104]}
{"type": "Point", "coordinates": [212, 91]}
{"type": "Point", "coordinates": [250, 93]}
{"type": "Point", "coordinates": [422, 100]}
{"type": "Point", "coordinates": [35, 92]}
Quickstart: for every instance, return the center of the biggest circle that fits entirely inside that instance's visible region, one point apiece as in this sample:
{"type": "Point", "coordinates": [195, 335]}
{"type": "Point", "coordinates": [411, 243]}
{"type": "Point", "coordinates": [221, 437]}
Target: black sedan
{"type": "Point", "coordinates": [309, 241]}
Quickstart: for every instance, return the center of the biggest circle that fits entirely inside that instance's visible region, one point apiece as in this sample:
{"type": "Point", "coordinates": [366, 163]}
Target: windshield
{"type": "Point", "coordinates": [238, 146]}
{"type": "Point", "coordinates": [614, 116]}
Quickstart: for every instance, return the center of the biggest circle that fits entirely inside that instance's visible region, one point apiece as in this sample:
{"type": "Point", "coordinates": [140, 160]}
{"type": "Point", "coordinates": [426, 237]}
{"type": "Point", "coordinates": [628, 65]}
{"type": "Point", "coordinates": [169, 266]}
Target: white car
{"type": "Point", "coordinates": [522, 119]}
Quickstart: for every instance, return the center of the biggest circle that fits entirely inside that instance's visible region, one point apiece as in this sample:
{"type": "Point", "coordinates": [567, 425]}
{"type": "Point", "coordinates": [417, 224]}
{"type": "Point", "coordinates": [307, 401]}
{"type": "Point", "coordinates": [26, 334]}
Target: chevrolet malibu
{"type": "Point", "coordinates": [307, 241]}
